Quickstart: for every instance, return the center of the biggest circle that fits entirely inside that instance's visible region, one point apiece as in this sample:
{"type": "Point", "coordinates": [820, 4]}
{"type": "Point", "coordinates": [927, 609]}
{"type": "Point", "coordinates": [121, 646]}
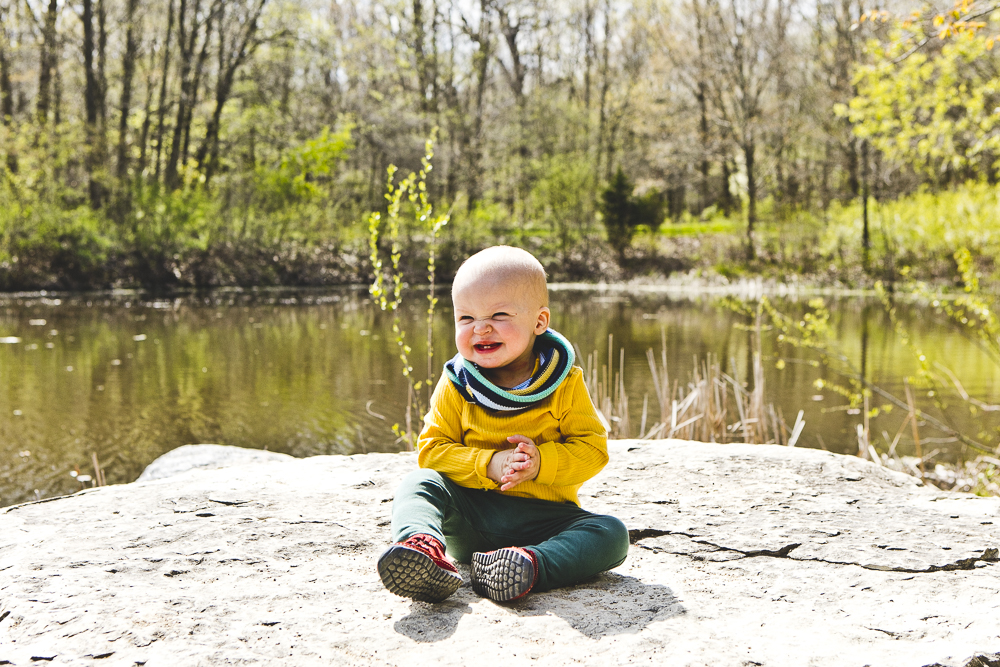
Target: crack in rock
{"type": "Point", "coordinates": [894, 635]}
{"type": "Point", "coordinates": [223, 501]}
{"type": "Point", "coordinates": [961, 564]}
{"type": "Point", "coordinates": [978, 660]}
{"type": "Point", "coordinates": [634, 535]}
{"type": "Point", "coordinates": [989, 555]}
{"type": "Point", "coordinates": [773, 553]}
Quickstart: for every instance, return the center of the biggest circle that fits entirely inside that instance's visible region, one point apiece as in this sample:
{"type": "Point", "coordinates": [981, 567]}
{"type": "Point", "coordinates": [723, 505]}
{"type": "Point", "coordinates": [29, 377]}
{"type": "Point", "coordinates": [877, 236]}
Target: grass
{"type": "Point", "coordinates": [701, 228]}
{"type": "Point", "coordinates": [912, 237]}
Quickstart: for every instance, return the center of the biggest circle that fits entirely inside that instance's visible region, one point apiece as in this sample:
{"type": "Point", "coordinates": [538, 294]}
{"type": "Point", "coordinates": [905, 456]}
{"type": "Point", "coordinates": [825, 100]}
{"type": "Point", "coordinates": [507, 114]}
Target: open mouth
{"type": "Point", "coordinates": [486, 347]}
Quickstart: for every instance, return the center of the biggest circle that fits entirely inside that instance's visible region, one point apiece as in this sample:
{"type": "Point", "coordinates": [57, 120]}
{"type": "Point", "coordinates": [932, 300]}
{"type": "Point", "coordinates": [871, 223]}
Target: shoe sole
{"type": "Point", "coordinates": [411, 574]}
{"type": "Point", "coordinates": [502, 575]}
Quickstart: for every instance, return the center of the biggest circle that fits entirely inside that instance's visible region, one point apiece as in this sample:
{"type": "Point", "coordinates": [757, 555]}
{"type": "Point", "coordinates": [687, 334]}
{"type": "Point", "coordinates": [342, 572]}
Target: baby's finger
{"type": "Point", "coordinates": [510, 484]}
{"type": "Point", "coordinates": [512, 479]}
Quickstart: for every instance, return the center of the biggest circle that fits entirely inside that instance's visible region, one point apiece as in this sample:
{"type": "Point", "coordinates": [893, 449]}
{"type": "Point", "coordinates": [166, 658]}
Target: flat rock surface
{"type": "Point", "coordinates": [741, 555]}
{"type": "Point", "coordinates": [205, 457]}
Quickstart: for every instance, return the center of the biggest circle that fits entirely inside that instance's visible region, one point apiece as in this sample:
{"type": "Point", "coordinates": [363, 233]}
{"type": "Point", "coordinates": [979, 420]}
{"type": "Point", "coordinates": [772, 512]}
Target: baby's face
{"type": "Point", "coordinates": [496, 326]}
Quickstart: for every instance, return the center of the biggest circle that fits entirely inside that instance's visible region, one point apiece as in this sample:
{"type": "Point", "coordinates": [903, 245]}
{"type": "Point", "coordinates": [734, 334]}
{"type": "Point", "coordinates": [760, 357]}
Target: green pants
{"type": "Point", "coordinates": [569, 542]}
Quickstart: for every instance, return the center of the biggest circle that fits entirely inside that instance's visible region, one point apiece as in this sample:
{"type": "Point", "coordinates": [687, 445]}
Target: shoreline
{"type": "Point", "coordinates": [685, 284]}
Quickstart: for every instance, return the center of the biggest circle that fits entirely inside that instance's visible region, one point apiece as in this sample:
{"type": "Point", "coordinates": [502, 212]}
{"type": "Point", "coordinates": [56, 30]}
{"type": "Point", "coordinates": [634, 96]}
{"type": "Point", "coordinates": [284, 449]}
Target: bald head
{"type": "Point", "coordinates": [507, 267]}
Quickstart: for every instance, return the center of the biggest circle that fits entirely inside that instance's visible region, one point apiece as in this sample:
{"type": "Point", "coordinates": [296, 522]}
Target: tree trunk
{"type": "Point", "coordinates": [518, 71]}
{"type": "Point", "coordinates": [458, 131]}
{"type": "Point", "coordinates": [128, 71]}
{"type": "Point", "coordinates": [147, 117]}
{"type": "Point", "coordinates": [423, 68]}
{"type": "Point", "coordinates": [161, 108]}
{"type": "Point", "coordinates": [229, 63]}
{"type": "Point", "coordinates": [6, 87]}
{"type": "Point", "coordinates": [603, 111]}
{"type": "Point", "coordinates": [701, 96]}
{"type": "Point", "coordinates": [866, 242]}
{"type": "Point", "coordinates": [47, 60]}
{"type": "Point", "coordinates": [749, 151]}
{"type": "Point", "coordinates": [57, 92]}
{"type": "Point", "coordinates": [481, 61]}
{"type": "Point", "coordinates": [6, 96]}
{"type": "Point", "coordinates": [726, 200]}
{"type": "Point", "coordinates": [92, 104]}
{"type": "Point", "coordinates": [515, 78]}
{"type": "Point", "coordinates": [220, 7]}
{"type": "Point", "coordinates": [825, 182]}
{"type": "Point", "coordinates": [588, 55]}
{"type": "Point", "coordinates": [102, 79]}
{"type": "Point", "coordinates": [186, 45]}
{"type": "Point", "coordinates": [853, 168]}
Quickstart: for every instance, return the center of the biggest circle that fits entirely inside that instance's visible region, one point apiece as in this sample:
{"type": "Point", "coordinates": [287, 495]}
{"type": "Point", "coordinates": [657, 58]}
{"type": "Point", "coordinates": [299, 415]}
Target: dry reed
{"type": "Point", "coordinates": [98, 479]}
{"type": "Point", "coordinates": [712, 406]}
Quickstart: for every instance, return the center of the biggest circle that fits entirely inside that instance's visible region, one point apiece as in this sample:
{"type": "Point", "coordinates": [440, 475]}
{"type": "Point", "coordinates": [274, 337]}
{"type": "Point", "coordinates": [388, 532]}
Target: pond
{"type": "Point", "coordinates": [126, 377]}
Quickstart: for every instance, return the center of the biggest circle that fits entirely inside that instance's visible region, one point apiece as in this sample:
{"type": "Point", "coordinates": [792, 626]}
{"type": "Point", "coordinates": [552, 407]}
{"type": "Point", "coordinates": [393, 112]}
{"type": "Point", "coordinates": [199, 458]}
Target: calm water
{"type": "Point", "coordinates": [129, 377]}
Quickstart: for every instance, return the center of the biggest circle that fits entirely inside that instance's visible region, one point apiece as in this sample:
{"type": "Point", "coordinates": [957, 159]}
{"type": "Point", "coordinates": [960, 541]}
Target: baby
{"type": "Point", "coordinates": [510, 437]}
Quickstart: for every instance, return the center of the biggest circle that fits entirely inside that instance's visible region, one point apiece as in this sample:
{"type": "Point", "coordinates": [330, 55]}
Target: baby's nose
{"type": "Point", "coordinates": [482, 326]}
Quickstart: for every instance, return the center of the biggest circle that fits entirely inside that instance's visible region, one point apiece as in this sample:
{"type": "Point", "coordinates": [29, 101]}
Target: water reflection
{"type": "Point", "coordinates": [129, 377]}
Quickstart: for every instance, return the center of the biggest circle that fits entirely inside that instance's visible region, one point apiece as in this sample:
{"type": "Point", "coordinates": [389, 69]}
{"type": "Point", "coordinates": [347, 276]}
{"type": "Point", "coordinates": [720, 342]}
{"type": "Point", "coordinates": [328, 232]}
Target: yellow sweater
{"type": "Point", "coordinates": [459, 439]}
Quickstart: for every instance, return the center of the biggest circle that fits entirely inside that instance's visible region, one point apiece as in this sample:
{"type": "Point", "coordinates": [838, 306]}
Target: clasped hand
{"type": "Point", "coordinates": [510, 467]}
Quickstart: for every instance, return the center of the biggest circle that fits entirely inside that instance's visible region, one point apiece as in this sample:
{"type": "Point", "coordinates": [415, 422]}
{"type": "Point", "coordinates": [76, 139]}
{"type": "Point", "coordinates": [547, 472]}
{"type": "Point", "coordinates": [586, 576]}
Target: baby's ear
{"type": "Point", "coordinates": [542, 323]}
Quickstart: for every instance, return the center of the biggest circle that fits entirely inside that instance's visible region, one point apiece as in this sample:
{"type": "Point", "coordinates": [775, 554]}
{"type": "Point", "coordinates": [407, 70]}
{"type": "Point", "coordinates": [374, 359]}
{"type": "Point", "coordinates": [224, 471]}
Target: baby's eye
{"type": "Point", "coordinates": [501, 316]}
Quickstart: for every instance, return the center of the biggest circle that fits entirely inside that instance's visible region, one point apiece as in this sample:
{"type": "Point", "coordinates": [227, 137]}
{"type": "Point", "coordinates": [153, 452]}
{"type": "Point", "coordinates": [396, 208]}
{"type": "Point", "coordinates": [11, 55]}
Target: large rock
{"type": "Point", "coordinates": [205, 457]}
{"type": "Point", "coordinates": [742, 555]}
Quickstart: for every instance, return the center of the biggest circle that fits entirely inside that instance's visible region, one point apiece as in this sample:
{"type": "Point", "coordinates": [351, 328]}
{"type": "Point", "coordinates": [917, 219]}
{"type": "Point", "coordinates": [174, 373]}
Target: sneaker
{"type": "Point", "coordinates": [504, 575]}
{"type": "Point", "coordinates": [417, 568]}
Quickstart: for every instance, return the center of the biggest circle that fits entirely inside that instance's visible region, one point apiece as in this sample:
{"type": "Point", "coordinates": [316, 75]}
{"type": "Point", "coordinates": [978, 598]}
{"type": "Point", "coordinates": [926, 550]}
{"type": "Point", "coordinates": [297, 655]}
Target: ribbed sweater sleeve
{"type": "Point", "coordinates": [582, 452]}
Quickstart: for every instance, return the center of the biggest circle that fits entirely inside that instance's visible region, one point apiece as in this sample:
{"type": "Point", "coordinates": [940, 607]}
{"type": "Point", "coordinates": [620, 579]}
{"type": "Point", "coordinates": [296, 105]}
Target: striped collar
{"type": "Point", "coordinates": [538, 364]}
{"type": "Point", "coordinates": [555, 361]}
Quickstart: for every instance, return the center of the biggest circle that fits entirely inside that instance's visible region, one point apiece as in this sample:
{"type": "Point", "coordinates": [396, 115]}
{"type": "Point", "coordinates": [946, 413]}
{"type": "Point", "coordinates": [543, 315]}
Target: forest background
{"type": "Point", "coordinates": [189, 143]}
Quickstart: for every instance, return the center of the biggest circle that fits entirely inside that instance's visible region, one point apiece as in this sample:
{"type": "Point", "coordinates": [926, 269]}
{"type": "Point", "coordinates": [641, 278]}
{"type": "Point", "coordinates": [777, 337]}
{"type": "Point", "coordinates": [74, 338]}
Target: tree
{"type": "Point", "coordinates": [750, 41]}
{"type": "Point", "coordinates": [6, 86]}
{"type": "Point", "coordinates": [623, 212]}
{"type": "Point", "coordinates": [47, 61]}
{"type": "Point", "coordinates": [472, 142]}
{"type": "Point", "coordinates": [933, 109]}
{"type": "Point", "coordinates": [132, 32]}
{"type": "Point", "coordinates": [194, 35]}
{"type": "Point", "coordinates": [233, 50]}
{"type": "Point", "coordinates": [95, 96]}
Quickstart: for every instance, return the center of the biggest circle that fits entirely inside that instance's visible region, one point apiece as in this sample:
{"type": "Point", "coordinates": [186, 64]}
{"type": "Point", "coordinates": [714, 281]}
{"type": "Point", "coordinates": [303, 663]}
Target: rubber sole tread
{"type": "Point", "coordinates": [410, 574]}
{"type": "Point", "coordinates": [502, 575]}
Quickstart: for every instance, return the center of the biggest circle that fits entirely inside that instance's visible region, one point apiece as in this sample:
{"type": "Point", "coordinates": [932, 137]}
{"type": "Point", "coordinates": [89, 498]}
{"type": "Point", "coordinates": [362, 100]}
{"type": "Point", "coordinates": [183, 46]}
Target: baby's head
{"type": "Point", "coordinates": [501, 306]}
